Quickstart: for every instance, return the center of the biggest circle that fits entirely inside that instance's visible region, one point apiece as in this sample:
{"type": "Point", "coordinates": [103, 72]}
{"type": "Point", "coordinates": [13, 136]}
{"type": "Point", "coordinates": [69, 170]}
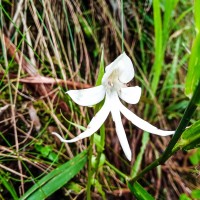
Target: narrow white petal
{"type": "Point", "coordinates": [87, 97]}
{"type": "Point", "coordinates": [130, 94]}
{"type": "Point", "coordinates": [120, 129]}
{"type": "Point", "coordinates": [140, 123]}
{"type": "Point", "coordinates": [93, 126]}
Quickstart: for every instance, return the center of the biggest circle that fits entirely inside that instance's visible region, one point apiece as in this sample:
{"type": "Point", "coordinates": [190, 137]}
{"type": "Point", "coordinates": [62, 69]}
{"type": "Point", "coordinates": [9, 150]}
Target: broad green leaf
{"type": "Point", "coordinates": [190, 138]}
{"type": "Point", "coordinates": [56, 178]}
{"type": "Point", "coordinates": [139, 192]}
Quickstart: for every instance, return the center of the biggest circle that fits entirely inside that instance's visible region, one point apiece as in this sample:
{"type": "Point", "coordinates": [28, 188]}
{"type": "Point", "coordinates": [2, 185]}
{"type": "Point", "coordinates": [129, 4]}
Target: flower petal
{"type": "Point", "coordinates": [130, 94]}
{"type": "Point", "coordinates": [120, 129]}
{"type": "Point", "coordinates": [87, 97]}
{"type": "Point", "coordinates": [140, 123]}
{"type": "Point", "coordinates": [123, 65]}
{"type": "Point", "coordinates": [93, 126]}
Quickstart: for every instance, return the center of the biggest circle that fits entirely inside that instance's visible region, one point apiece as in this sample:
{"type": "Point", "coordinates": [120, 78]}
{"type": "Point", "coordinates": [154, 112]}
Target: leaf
{"type": "Point", "coordinates": [74, 187]}
{"type": "Point", "coordinates": [139, 192]}
{"type": "Point", "coordinates": [195, 194]}
{"type": "Point", "coordinates": [99, 188]}
{"type": "Point", "coordinates": [158, 42]}
{"type": "Point", "coordinates": [184, 197]}
{"type": "Point", "coordinates": [195, 157]}
{"type": "Point", "coordinates": [196, 14]}
{"type": "Point", "coordinates": [9, 187]}
{"type": "Point", "coordinates": [193, 75]}
{"type": "Point", "coordinates": [101, 69]}
{"type": "Point", "coordinates": [56, 178]}
{"type": "Point", "coordinates": [137, 163]}
{"type": "Point", "coordinates": [190, 138]}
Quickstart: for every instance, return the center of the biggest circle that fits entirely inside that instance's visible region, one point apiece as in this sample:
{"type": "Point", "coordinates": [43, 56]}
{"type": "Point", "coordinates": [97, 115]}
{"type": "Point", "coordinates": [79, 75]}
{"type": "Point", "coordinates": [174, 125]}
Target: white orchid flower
{"type": "Point", "coordinates": [117, 75]}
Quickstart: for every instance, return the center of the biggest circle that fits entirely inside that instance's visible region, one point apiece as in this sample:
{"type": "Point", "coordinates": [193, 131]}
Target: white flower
{"type": "Point", "coordinates": [117, 75]}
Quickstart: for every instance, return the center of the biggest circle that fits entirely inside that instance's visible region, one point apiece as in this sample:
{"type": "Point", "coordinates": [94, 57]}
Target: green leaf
{"type": "Point", "coordinates": [195, 157]}
{"type": "Point", "coordinates": [193, 75]}
{"type": "Point", "coordinates": [184, 197]}
{"type": "Point", "coordinates": [139, 192]}
{"type": "Point", "coordinates": [101, 69]}
{"type": "Point", "coordinates": [97, 142]}
{"type": "Point", "coordinates": [196, 14]}
{"type": "Point", "coordinates": [100, 162]}
{"type": "Point", "coordinates": [56, 178]}
{"type": "Point", "coordinates": [158, 42]}
{"type": "Point", "coordinates": [99, 188]}
{"type": "Point", "coordinates": [195, 194]}
{"type": "Point", "coordinates": [9, 187]}
{"type": "Point", "coordinates": [74, 187]}
{"type": "Point", "coordinates": [137, 163]}
{"type": "Point", "coordinates": [190, 138]}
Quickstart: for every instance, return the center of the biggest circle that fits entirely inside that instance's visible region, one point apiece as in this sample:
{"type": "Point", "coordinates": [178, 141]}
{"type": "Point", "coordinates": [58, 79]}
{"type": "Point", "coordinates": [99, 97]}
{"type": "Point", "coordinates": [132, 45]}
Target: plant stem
{"type": "Point", "coordinates": [182, 125]}
{"type": "Point", "coordinates": [90, 171]}
{"type": "Point", "coordinates": [122, 24]}
{"type": "Point", "coordinates": [116, 170]}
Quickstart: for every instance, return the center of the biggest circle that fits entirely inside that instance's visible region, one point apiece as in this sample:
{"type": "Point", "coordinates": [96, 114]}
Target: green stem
{"type": "Point", "coordinates": [169, 150]}
{"type": "Point", "coordinates": [102, 144]}
{"type": "Point", "coordinates": [122, 24]}
{"type": "Point", "coordinates": [116, 170]}
{"type": "Point", "coordinates": [90, 171]}
{"type": "Point", "coordinates": [90, 154]}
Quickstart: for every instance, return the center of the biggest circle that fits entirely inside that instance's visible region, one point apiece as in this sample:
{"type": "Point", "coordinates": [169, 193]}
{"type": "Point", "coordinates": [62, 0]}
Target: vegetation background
{"type": "Point", "coordinates": [48, 47]}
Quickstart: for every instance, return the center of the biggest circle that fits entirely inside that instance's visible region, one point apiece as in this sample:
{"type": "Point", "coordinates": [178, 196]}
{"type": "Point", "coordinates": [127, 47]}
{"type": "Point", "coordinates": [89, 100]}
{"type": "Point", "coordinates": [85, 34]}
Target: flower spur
{"type": "Point", "coordinates": [113, 88]}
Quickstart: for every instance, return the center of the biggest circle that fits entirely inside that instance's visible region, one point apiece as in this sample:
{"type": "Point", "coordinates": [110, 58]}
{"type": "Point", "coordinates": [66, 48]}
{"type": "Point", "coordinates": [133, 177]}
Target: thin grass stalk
{"type": "Point", "coordinates": [122, 24]}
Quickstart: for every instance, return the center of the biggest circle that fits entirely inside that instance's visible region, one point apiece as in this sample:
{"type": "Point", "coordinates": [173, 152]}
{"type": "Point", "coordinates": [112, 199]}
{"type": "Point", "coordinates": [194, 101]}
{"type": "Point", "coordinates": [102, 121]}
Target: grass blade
{"type": "Point", "coordinates": [158, 45]}
{"type": "Point", "coordinates": [9, 187]}
{"type": "Point", "coordinates": [139, 192]}
{"type": "Point", "coordinates": [56, 179]}
{"type": "Point", "coordinates": [193, 75]}
{"type": "Point", "coordinates": [137, 163]}
{"type": "Point", "coordinates": [101, 69]}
